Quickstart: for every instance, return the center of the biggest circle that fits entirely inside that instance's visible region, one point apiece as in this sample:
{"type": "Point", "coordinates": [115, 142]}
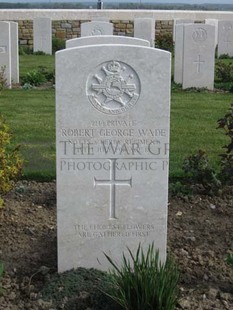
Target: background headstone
{"type": "Point", "coordinates": [96, 28]}
{"type": "Point", "coordinates": [14, 52]}
{"type": "Point", "coordinates": [213, 22]}
{"type": "Point", "coordinates": [112, 152]}
{"type": "Point", "coordinates": [180, 21]}
{"type": "Point", "coordinates": [5, 51]}
{"type": "Point", "coordinates": [42, 35]}
{"type": "Point", "coordinates": [178, 55]}
{"type": "Point", "coordinates": [225, 37]}
{"type": "Point", "coordinates": [95, 40]}
{"type": "Point", "coordinates": [144, 28]}
{"type": "Point", "coordinates": [199, 56]}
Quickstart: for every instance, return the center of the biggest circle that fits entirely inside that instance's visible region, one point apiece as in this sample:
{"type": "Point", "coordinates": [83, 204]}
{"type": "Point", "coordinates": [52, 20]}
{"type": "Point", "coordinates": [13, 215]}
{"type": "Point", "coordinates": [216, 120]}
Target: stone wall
{"type": "Point", "coordinates": [68, 29]}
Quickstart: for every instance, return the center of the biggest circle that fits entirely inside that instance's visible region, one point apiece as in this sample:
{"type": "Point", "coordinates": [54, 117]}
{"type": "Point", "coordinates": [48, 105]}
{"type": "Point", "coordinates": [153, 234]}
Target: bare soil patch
{"type": "Point", "coordinates": [200, 235]}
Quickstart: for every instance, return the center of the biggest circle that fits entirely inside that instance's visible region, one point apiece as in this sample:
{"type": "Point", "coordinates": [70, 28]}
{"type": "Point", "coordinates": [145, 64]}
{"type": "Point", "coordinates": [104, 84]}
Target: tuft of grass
{"type": "Point", "coordinates": [143, 282]}
{"type": "Point", "coordinates": [78, 289]}
{"type": "Point", "coordinates": [230, 259]}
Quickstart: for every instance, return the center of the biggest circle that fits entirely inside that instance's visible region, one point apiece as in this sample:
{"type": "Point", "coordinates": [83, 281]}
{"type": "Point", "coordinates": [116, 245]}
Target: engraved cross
{"type": "Point", "coordinates": [199, 62]}
{"type": "Point", "coordinates": [112, 183]}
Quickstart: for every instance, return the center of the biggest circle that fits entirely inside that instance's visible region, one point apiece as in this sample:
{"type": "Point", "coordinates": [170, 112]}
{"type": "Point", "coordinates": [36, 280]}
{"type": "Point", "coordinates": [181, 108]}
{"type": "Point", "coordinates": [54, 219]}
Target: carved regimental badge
{"type": "Point", "coordinates": [2, 49]}
{"type": "Point", "coordinates": [97, 31]}
{"type": "Point", "coordinates": [227, 26]}
{"type": "Point", "coordinates": [113, 88]}
{"type": "Point", "coordinates": [199, 35]}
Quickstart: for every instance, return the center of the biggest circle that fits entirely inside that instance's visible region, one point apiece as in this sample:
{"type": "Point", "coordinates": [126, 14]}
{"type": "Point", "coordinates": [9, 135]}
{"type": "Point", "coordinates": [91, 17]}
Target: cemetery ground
{"type": "Point", "coordinates": [199, 236]}
{"type": "Point", "coordinates": [199, 226]}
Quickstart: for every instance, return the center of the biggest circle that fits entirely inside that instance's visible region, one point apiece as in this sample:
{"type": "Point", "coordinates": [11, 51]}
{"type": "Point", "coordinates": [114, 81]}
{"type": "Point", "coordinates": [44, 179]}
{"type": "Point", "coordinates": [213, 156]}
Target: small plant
{"type": "Point", "coordinates": [224, 72]}
{"type": "Point", "coordinates": [230, 259]}
{"type": "Point", "coordinates": [34, 78]}
{"type": "Point", "coordinates": [3, 81]}
{"type": "Point", "coordinates": [227, 86]}
{"type": "Point", "coordinates": [39, 53]}
{"type": "Point", "coordinates": [175, 86]}
{"type": "Point", "coordinates": [146, 284]}
{"type": "Point", "coordinates": [78, 289]}
{"type": "Point", "coordinates": [58, 44]}
{"type": "Point", "coordinates": [25, 50]}
{"type": "Point", "coordinates": [179, 189]}
{"type": "Point", "coordinates": [27, 86]}
{"type": "Point", "coordinates": [226, 123]}
{"type": "Point", "coordinates": [10, 161]}
{"type": "Point", "coordinates": [165, 42]}
{"type": "Point", "coordinates": [49, 75]}
{"type": "Point", "coordinates": [199, 171]}
{"type": "Point", "coordinates": [38, 77]}
{"type": "Point", "coordinates": [225, 56]}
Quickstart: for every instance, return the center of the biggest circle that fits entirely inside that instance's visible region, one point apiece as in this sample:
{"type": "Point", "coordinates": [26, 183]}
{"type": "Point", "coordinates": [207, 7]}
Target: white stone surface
{"type": "Point", "coordinates": [213, 22]}
{"type": "Point", "coordinates": [177, 22]}
{"type": "Point", "coordinates": [95, 40]}
{"type": "Point", "coordinates": [199, 56]}
{"type": "Point", "coordinates": [42, 35]}
{"type": "Point", "coordinates": [5, 51]}
{"type": "Point", "coordinates": [101, 18]}
{"type": "Point", "coordinates": [144, 28]}
{"type": "Point", "coordinates": [56, 14]}
{"type": "Point", "coordinates": [96, 28]}
{"type": "Point", "coordinates": [14, 52]}
{"type": "Point", "coordinates": [225, 37]}
{"type": "Point", "coordinates": [112, 131]}
{"type": "Point", "coordinates": [179, 53]}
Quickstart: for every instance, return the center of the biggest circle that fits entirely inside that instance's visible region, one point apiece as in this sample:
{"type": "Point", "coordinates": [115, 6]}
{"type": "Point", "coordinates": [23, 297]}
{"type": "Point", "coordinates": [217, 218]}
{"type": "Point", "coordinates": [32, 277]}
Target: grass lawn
{"type": "Point", "coordinates": [32, 62]}
{"type": "Point", "coordinates": [193, 126]}
{"type": "Point", "coordinates": [31, 116]}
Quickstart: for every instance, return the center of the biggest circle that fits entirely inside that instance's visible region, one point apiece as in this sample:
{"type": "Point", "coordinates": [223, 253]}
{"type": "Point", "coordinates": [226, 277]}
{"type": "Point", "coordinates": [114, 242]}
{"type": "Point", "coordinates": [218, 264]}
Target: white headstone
{"type": "Point", "coordinates": [96, 28]}
{"type": "Point", "coordinates": [42, 35]}
{"type": "Point", "coordinates": [213, 22]}
{"type": "Point", "coordinates": [14, 52]}
{"type": "Point", "coordinates": [95, 40]}
{"type": "Point", "coordinates": [199, 56]}
{"type": "Point", "coordinates": [144, 28]}
{"type": "Point", "coordinates": [225, 37]}
{"type": "Point", "coordinates": [177, 22]}
{"type": "Point", "coordinates": [5, 52]}
{"type": "Point", "coordinates": [112, 152]}
{"type": "Point", "coordinates": [179, 51]}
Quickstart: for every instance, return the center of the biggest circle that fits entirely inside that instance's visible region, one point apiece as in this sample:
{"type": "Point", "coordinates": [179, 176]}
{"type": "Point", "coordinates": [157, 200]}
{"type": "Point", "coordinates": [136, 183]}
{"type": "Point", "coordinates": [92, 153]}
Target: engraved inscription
{"type": "Point", "coordinates": [129, 165]}
{"type": "Point", "coordinates": [114, 230]}
{"type": "Point", "coordinates": [199, 62]}
{"type": "Point", "coordinates": [112, 182]}
{"type": "Point", "coordinates": [3, 49]}
{"type": "Point", "coordinates": [113, 88]}
{"type": "Point", "coordinates": [199, 35]}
